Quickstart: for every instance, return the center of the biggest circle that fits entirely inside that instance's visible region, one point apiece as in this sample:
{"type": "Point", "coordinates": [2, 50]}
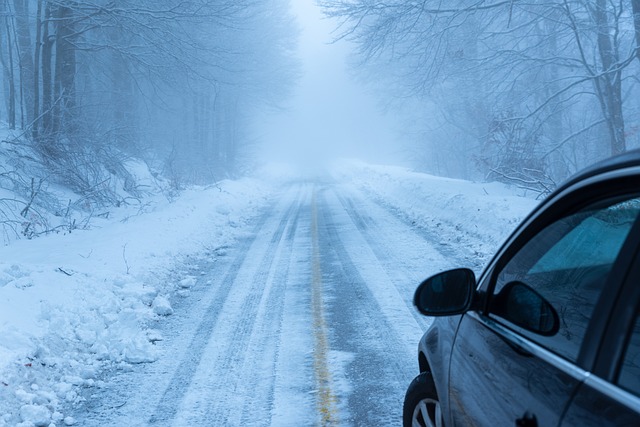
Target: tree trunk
{"type": "Point", "coordinates": [23, 38]}
{"type": "Point", "coordinates": [635, 5]}
{"type": "Point", "coordinates": [64, 80]}
{"type": "Point", "coordinates": [35, 132]}
{"type": "Point", "coordinates": [11, 108]}
{"type": "Point", "coordinates": [557, 167]}
{"type": "Point", "coordinates": [218, 126]}
{"type": "Point", "coordinates": [122, 104]}
{"type": "Point", "coordinates": [47, 51]}
{"type": "Point", "coordinates": [609, 84]}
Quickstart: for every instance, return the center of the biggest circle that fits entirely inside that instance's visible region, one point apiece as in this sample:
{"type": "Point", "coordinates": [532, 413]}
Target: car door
{"type": "Point", "coordinates": [610, 396]}
{"type": "Point", "coordinates": [518, 360]}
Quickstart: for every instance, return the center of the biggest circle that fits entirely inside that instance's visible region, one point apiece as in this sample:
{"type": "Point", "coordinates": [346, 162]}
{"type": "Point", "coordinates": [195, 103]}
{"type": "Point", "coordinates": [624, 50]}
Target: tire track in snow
{"type": "Point", "coordinates": [230, 386]}
{"type": "Point", "coordinates": [167, 409]}
{"type": "Point", "coordinates": [236, 364]}
{"type": "Point", "coordinates": [266, 337]}
{"type": "Point", "coordinates": [383, 253]}
{"type": "Point", "coordinates": [378, 374]}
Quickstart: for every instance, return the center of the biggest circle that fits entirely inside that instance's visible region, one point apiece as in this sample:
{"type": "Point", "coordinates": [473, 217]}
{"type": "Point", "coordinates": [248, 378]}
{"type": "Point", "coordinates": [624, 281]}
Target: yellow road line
{"type": "Point", "coordinates": [327, 402]}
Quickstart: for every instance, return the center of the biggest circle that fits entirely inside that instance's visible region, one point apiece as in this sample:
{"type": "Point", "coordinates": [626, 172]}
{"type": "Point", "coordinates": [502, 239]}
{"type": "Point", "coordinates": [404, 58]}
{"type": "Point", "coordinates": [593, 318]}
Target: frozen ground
{"type": "Point", "coordinates": [165, 316]}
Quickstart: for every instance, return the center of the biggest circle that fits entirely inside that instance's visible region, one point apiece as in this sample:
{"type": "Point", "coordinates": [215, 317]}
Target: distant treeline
{"type": "Point", "coordinates": [90, 81]}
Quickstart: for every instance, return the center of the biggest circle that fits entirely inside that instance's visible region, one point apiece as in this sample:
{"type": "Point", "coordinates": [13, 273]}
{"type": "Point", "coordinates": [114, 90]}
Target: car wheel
{"type": "Point", "coordinates": [421, 404]}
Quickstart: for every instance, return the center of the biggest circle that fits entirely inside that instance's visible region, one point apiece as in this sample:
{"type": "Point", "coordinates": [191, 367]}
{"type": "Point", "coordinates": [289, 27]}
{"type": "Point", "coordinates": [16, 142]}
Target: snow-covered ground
{"type": "Point", "coordinates": [470, 219]}
{"type": "Point", "coordinates": [74, 305]}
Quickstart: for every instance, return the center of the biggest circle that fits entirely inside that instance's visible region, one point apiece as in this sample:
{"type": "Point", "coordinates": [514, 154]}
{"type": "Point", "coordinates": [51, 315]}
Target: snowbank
{"type": "Point", "coordinates": [73, 304]}
{"type": "Point", "coordinates": [473, 219]}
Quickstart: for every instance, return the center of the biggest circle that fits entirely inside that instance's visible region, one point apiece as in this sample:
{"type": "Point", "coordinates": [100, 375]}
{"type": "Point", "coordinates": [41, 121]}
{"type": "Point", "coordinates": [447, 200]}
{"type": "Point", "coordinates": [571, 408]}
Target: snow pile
{"type": "Point", "coordinates": [473, 219]}
{"type": "Point", "coordinates": [77, 303]}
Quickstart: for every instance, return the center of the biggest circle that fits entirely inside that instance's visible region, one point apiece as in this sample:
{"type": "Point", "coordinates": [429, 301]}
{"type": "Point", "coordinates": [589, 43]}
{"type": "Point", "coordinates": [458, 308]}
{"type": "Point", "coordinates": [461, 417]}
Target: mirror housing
{"type": "Point", "coordinates": [446, 294]}
{"type": "Point", "coordinates": [524, 307]}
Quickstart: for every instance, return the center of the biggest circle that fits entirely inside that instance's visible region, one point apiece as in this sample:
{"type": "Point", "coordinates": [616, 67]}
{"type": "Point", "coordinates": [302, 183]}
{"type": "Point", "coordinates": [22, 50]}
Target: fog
{"type": "Point", "coordinates": [505, 101]}
{"type": "Point", "coordinates": [202, 91]}
{"type": "Point", "coordinates": [331, 113]}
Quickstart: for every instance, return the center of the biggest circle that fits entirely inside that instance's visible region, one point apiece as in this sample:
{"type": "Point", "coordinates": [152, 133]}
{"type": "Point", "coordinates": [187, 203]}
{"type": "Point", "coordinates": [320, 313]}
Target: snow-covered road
{"type": "Point", "coordinates": [307, 320]}
{"type": "Point", "coordinates": [271, 300]}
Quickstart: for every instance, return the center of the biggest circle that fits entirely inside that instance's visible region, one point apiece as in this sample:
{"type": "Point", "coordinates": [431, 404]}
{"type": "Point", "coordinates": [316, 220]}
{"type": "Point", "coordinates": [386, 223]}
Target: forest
{"type": "Point", "coordinates": [525, 92]}
{"type": "Point", "coordinates": [519, 91]}
{"type": "Point", "coordinates": [89, 85]}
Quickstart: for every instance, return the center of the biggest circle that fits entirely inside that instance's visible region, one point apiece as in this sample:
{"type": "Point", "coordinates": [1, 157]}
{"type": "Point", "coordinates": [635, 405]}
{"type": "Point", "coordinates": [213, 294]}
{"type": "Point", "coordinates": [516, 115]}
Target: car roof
{"type": "Point", "coordinates": [627, 159]}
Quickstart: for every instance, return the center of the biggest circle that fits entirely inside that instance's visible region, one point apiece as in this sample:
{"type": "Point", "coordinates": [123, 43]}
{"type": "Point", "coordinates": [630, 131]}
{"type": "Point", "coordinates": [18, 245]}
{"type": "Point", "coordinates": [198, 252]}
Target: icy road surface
{"type": "Point", "coordinates": [306, 321]}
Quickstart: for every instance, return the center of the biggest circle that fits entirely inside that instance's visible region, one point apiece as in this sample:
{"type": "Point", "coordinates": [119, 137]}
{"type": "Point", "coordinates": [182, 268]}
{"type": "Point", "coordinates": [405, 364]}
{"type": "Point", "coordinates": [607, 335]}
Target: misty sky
{"type": "Point", "coordinates": [330, 114]}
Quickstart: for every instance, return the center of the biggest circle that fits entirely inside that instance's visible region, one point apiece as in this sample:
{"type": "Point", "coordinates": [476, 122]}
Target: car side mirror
{"type": "Point", "coordinates": [524, 307]}
{"type": "Point", "coordinates": [446, 294]}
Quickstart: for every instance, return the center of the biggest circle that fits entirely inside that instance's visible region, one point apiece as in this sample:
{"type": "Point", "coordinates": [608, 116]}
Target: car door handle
{"type": "Point", "coordinates": [527, 420]}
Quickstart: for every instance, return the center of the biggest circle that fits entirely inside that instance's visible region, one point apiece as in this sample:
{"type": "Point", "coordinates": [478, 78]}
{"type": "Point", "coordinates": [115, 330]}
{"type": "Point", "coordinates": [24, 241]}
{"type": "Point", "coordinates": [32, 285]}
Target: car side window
{"type": "Point", "coordinates": [629, 377]}
{"type": "Point", "coordinates": [558, 275]}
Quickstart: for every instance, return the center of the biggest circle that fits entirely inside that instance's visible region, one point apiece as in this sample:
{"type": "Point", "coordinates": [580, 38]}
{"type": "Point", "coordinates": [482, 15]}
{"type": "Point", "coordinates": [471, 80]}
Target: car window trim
{"type": "Point", "coordinates": [610, 390]}
{"type": "Point", "coordinates": [531, 347]}
{"type": "Point", "coordinates": [542, 214]}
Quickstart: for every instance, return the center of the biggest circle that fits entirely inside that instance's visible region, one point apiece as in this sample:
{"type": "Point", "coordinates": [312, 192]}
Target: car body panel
{"type": "Point", "coordinates": [491, 370]}
{"type": "Point", "coordinates": [435, 347]}
{"type": "Point", "coordinates": [486, 373]}
{"type": "Point", "coordinates": [598, 403]}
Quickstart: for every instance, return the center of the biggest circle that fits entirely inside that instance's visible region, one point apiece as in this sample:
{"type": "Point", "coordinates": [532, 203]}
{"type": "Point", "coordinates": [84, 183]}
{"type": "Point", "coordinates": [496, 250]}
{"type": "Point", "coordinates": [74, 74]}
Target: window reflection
{"type": "Point", "coordinates": [568, 263]}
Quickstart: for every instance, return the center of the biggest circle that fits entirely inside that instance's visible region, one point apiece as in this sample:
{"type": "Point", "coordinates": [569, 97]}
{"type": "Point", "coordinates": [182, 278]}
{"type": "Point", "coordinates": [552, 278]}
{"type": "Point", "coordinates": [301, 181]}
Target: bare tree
{"type": "Point", "coordinates": [93, 82]}
{"type": "Point", "coordinates": [8, 63]}
{"type": "Point", "coordinates": [536, 67]}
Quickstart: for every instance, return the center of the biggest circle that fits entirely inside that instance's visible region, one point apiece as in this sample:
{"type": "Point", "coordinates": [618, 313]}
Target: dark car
{"type": "Point", "coordinates": [549, 334]}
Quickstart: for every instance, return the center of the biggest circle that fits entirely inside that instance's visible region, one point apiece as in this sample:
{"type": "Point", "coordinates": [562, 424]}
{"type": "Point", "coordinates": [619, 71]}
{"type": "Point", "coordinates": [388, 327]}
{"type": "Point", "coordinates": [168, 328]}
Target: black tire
{"type": "Point", "coordinates": [421, 404]}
